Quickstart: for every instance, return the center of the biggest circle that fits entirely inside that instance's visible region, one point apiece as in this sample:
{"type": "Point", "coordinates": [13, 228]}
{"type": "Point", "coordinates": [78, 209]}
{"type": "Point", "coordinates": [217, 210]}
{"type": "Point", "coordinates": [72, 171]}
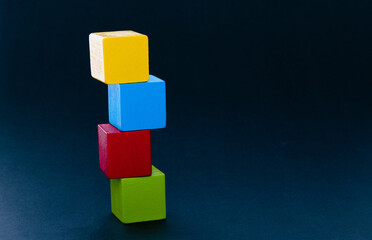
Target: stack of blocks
{"type": "Point", "coordinates": [137, 104]}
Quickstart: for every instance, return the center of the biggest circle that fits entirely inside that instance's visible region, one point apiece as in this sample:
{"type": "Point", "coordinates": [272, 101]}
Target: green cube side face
{"type": "Point", "coordinates": [139, 199]}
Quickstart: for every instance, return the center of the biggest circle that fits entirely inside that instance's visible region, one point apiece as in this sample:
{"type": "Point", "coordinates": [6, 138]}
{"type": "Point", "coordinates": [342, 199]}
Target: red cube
{"type": "Point", "coordinates": [124, 154]}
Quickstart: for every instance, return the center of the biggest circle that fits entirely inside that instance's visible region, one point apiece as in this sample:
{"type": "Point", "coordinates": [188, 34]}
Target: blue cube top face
{"type": "Point", "coordinates": [138, 106]}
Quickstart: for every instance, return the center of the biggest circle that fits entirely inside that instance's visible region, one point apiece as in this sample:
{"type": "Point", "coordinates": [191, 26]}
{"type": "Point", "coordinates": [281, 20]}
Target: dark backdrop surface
{"type": "Point", "coordinates": [269, 119]}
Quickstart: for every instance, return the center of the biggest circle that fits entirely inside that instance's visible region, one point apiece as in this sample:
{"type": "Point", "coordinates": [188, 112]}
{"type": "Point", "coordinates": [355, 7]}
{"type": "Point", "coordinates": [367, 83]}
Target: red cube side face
{"type": "Point", "coordinates": [124, 154]}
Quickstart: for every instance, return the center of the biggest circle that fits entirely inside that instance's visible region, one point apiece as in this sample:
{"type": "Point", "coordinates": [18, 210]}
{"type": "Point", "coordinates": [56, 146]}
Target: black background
{"type": "Point", "coordinates": [269, 119]}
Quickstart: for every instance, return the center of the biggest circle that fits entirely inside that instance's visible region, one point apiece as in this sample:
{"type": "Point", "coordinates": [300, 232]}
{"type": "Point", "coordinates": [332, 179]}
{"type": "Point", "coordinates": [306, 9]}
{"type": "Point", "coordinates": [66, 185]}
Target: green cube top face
{"type": "Point", "coordinates": [139, 199]}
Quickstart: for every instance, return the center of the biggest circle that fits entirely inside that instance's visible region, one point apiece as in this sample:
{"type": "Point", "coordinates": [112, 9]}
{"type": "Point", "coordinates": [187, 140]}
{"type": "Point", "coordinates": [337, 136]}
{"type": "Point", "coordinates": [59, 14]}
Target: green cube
{"type": "Point", "coordinates": [139, 199]}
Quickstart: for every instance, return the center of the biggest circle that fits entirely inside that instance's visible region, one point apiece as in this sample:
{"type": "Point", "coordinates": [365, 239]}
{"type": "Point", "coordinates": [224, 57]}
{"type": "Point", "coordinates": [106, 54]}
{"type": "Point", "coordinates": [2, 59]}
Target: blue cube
{"type": "Point", "coordinates": [137, 106]}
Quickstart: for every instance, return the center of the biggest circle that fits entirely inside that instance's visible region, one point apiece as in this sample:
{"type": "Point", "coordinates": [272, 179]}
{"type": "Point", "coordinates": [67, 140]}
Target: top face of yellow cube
{"type": "Point", "coordinates": [119, 57]}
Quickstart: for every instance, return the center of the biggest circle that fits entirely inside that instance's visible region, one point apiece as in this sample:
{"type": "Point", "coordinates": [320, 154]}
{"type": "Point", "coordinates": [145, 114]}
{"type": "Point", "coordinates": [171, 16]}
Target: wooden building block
{"type": "Point", "coordinates": [138, 106]}
{"type": "Point", "coordinates": [139, 199]}
{"type": "Point", "coordinates": [124, 154]}
{"type": "Point", "coordinates": [119, 57]}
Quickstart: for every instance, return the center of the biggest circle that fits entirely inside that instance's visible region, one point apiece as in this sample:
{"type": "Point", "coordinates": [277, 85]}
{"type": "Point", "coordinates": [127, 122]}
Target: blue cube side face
{"type": "Point", "coordinates": [114, 105]}
{"type": "Point", "coordinates": [138, 106]}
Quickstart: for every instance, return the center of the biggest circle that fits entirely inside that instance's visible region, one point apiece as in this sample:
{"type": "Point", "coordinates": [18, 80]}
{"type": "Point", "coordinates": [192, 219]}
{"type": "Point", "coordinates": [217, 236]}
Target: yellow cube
{"type": "Point", "coordinates": [119, 57]}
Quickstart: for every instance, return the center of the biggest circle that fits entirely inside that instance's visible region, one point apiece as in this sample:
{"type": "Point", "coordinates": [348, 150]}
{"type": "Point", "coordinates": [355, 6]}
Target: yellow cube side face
{"type": "Point", "coordinates": [126, 59]}
{"type": "Point", "coordinates": [96, 57]}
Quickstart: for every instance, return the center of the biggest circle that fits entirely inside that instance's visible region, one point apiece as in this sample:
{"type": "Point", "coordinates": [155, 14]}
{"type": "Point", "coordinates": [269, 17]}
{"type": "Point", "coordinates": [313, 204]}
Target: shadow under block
{"type": "Point", "coordinates": [124, 154]}
{"type": "Point", "coordinates": [138, 106]}
{"type": "Point", "coordinates": [119, 57]}
{"type": "Point", "coordinates": [139, 199]}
